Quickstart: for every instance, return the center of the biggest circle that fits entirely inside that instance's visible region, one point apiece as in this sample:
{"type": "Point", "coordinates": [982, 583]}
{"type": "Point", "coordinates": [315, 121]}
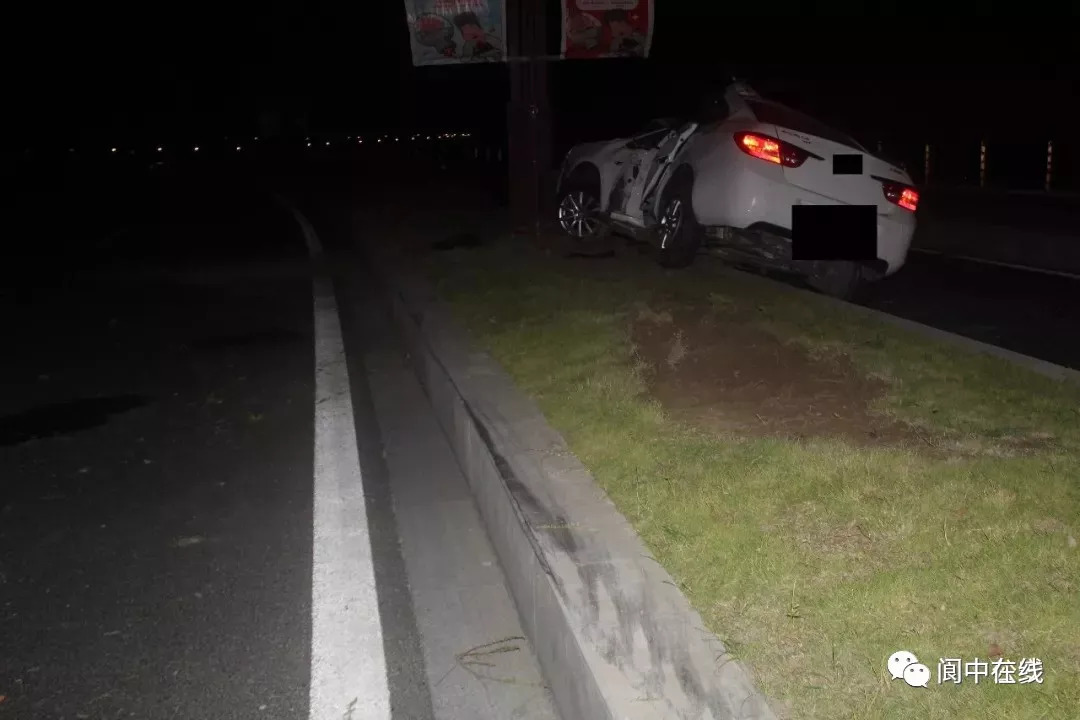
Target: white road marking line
{"type": "Point", "coordinates": [982, 261]}
{"type": "Point", "coordinates": [348, 664]}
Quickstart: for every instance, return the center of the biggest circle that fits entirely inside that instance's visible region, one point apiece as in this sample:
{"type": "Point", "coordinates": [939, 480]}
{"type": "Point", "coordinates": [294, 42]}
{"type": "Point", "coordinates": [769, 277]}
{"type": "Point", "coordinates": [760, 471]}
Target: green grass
{"type": "Point", "coordinates": [815, 560]}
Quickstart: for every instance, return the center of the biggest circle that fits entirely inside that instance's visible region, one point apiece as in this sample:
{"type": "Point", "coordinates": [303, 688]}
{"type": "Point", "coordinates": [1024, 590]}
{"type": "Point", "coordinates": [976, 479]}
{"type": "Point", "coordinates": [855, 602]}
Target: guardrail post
{"type": "Point", "coordinates": [1049, 163]}
{"type": "Point", "coordinates": [982, 164]}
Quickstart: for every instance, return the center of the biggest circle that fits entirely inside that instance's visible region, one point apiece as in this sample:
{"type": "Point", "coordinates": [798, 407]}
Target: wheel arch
{"type": "Point", "coordinates": [584, 173]}
{"type": "Point", "coordinates": [683, 173]}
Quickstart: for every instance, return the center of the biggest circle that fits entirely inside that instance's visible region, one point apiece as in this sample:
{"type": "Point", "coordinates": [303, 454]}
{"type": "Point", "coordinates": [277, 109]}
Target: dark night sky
{"type": "Point", "coordinates": [185, 69]}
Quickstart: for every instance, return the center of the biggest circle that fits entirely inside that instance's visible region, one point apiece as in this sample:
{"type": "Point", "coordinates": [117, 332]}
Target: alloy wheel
{"type": "Point", "coordinates": [579, 214]}
{"type": "Point", "coordinates": [670, 221]}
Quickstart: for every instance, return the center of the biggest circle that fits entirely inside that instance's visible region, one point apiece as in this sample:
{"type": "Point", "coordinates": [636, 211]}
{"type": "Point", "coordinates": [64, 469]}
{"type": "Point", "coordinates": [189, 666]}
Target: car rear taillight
{"type": "Point", "coordinates": [905, 196]}
{"type": "Point", "coordinates": [770, 149]}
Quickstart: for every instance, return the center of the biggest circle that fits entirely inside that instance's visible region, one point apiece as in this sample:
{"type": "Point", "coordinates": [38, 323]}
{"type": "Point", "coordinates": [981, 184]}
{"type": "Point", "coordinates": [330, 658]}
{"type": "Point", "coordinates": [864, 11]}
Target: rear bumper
{"type": "Point", "coordinates": [752, 201]}
{"type": "Point", "coordinates": [894, 240]}
{"type": "Point", "coordinates": [872, 270]}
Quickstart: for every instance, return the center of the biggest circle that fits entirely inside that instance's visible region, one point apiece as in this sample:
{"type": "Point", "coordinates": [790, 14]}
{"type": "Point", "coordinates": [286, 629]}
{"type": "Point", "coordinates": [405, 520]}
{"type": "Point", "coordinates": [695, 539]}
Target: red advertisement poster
{"type": "Point", "coordinates": [606, 28]}
{"type": "Point", "coordinates": [446, 32]}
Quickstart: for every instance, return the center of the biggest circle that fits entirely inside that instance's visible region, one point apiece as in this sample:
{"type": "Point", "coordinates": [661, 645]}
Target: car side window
{"type": "Point", "coordinates": [651, 135]}
{"type": "Point", "coordinates": [648, 140]}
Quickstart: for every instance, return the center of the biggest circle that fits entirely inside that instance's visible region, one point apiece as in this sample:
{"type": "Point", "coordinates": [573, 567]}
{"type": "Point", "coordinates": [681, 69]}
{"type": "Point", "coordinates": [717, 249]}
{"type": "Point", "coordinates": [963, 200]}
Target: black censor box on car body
{"type": "Point", "coordinates": [847, 164]}
{"type": "Point", "coordinates": [834, 232]}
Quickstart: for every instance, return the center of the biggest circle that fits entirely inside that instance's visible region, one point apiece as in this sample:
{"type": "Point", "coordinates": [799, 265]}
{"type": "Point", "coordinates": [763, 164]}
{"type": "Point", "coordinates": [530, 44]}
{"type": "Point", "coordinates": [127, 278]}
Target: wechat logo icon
{"type": "Point", "coordinates": [903, 665]}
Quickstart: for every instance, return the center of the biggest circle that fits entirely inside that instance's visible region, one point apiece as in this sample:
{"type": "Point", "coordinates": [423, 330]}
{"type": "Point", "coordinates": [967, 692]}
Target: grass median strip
{"type": "Point", "coordinates": [825, 489]}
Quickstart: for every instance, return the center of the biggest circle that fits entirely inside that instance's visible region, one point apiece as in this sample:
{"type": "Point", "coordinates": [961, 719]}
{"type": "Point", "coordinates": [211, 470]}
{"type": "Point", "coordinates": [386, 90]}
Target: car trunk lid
{"type": "Point", "coordinates": [837, 168]}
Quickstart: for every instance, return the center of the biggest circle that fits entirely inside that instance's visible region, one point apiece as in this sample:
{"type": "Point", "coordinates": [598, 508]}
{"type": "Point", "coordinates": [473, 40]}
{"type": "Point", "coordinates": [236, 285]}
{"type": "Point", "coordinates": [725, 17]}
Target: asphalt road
{"type": "Point", "coordinates": [155, 535]}
{"type": "Point", "coordinates": [157, 446]}
{"type": "Point", "coordinates": [1032, 313]}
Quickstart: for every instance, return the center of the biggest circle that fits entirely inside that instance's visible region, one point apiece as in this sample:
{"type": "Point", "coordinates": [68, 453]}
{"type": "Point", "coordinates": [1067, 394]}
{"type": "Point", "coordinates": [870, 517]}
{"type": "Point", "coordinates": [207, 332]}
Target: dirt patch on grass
{"type": "Point", "coordinates": [730, 377]}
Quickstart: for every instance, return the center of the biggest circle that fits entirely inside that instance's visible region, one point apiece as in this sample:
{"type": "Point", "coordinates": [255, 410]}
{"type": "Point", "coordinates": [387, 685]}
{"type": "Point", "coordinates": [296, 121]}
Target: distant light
{"type": "Point", "coordinates": [256, 138]}
{"type": "Point", "coordinates": [379, 140]}
{"type": "Point", "coordinates": [71, 149]}
{"type": "Point", "coordinates": [159, 149]}
{"type": "Point", "coordinates": [309, 144]}
{"type": "Point", "coordinates": [238, 148]}
{"type": "Point", "coordinates": [196, 148]}
{"type": "Point", "coordinates": [428, 137]}
{"type": "Point", "coordinates": [396, 139]}
{"type": "Point", "coordinates": [114, 149]}
{"type": "Point", "coordinates": [327, 142]}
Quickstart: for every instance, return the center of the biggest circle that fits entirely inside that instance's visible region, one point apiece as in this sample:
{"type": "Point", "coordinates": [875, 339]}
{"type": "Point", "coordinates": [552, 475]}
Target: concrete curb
{"type": "Point", "coordinates": [615, 637]}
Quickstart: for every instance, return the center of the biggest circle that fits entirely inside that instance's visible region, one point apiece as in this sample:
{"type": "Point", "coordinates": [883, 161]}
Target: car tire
{"type": "Point", "coordinates": [839, 279]}
{"type": "Point", "coordinates": [678, 233]}
{"type": "Point", "coordinates": [578, 213]}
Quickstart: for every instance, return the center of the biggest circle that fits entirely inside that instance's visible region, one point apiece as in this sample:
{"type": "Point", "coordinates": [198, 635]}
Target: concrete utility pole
{"type": "Point", "coordinates": [528, 117]}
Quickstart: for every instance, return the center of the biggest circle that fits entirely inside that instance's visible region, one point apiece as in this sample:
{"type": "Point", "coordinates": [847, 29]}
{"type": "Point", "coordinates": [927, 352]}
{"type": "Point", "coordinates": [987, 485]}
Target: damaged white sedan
{"type": "Point", "coordinates": [754, 181]}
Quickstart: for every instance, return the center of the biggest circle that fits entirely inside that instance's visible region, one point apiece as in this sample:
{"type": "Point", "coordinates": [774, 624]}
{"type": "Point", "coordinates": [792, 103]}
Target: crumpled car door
{"type": "Point", "coordinates": [664, 159]}
{"type": "Point", "coordinates": [628, 169]}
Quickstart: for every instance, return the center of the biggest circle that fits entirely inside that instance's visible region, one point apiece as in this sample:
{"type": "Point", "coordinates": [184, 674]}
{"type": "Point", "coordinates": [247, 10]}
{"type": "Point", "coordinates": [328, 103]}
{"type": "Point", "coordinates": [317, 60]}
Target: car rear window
{"type": "Point", "coordinates": [777, 114]}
